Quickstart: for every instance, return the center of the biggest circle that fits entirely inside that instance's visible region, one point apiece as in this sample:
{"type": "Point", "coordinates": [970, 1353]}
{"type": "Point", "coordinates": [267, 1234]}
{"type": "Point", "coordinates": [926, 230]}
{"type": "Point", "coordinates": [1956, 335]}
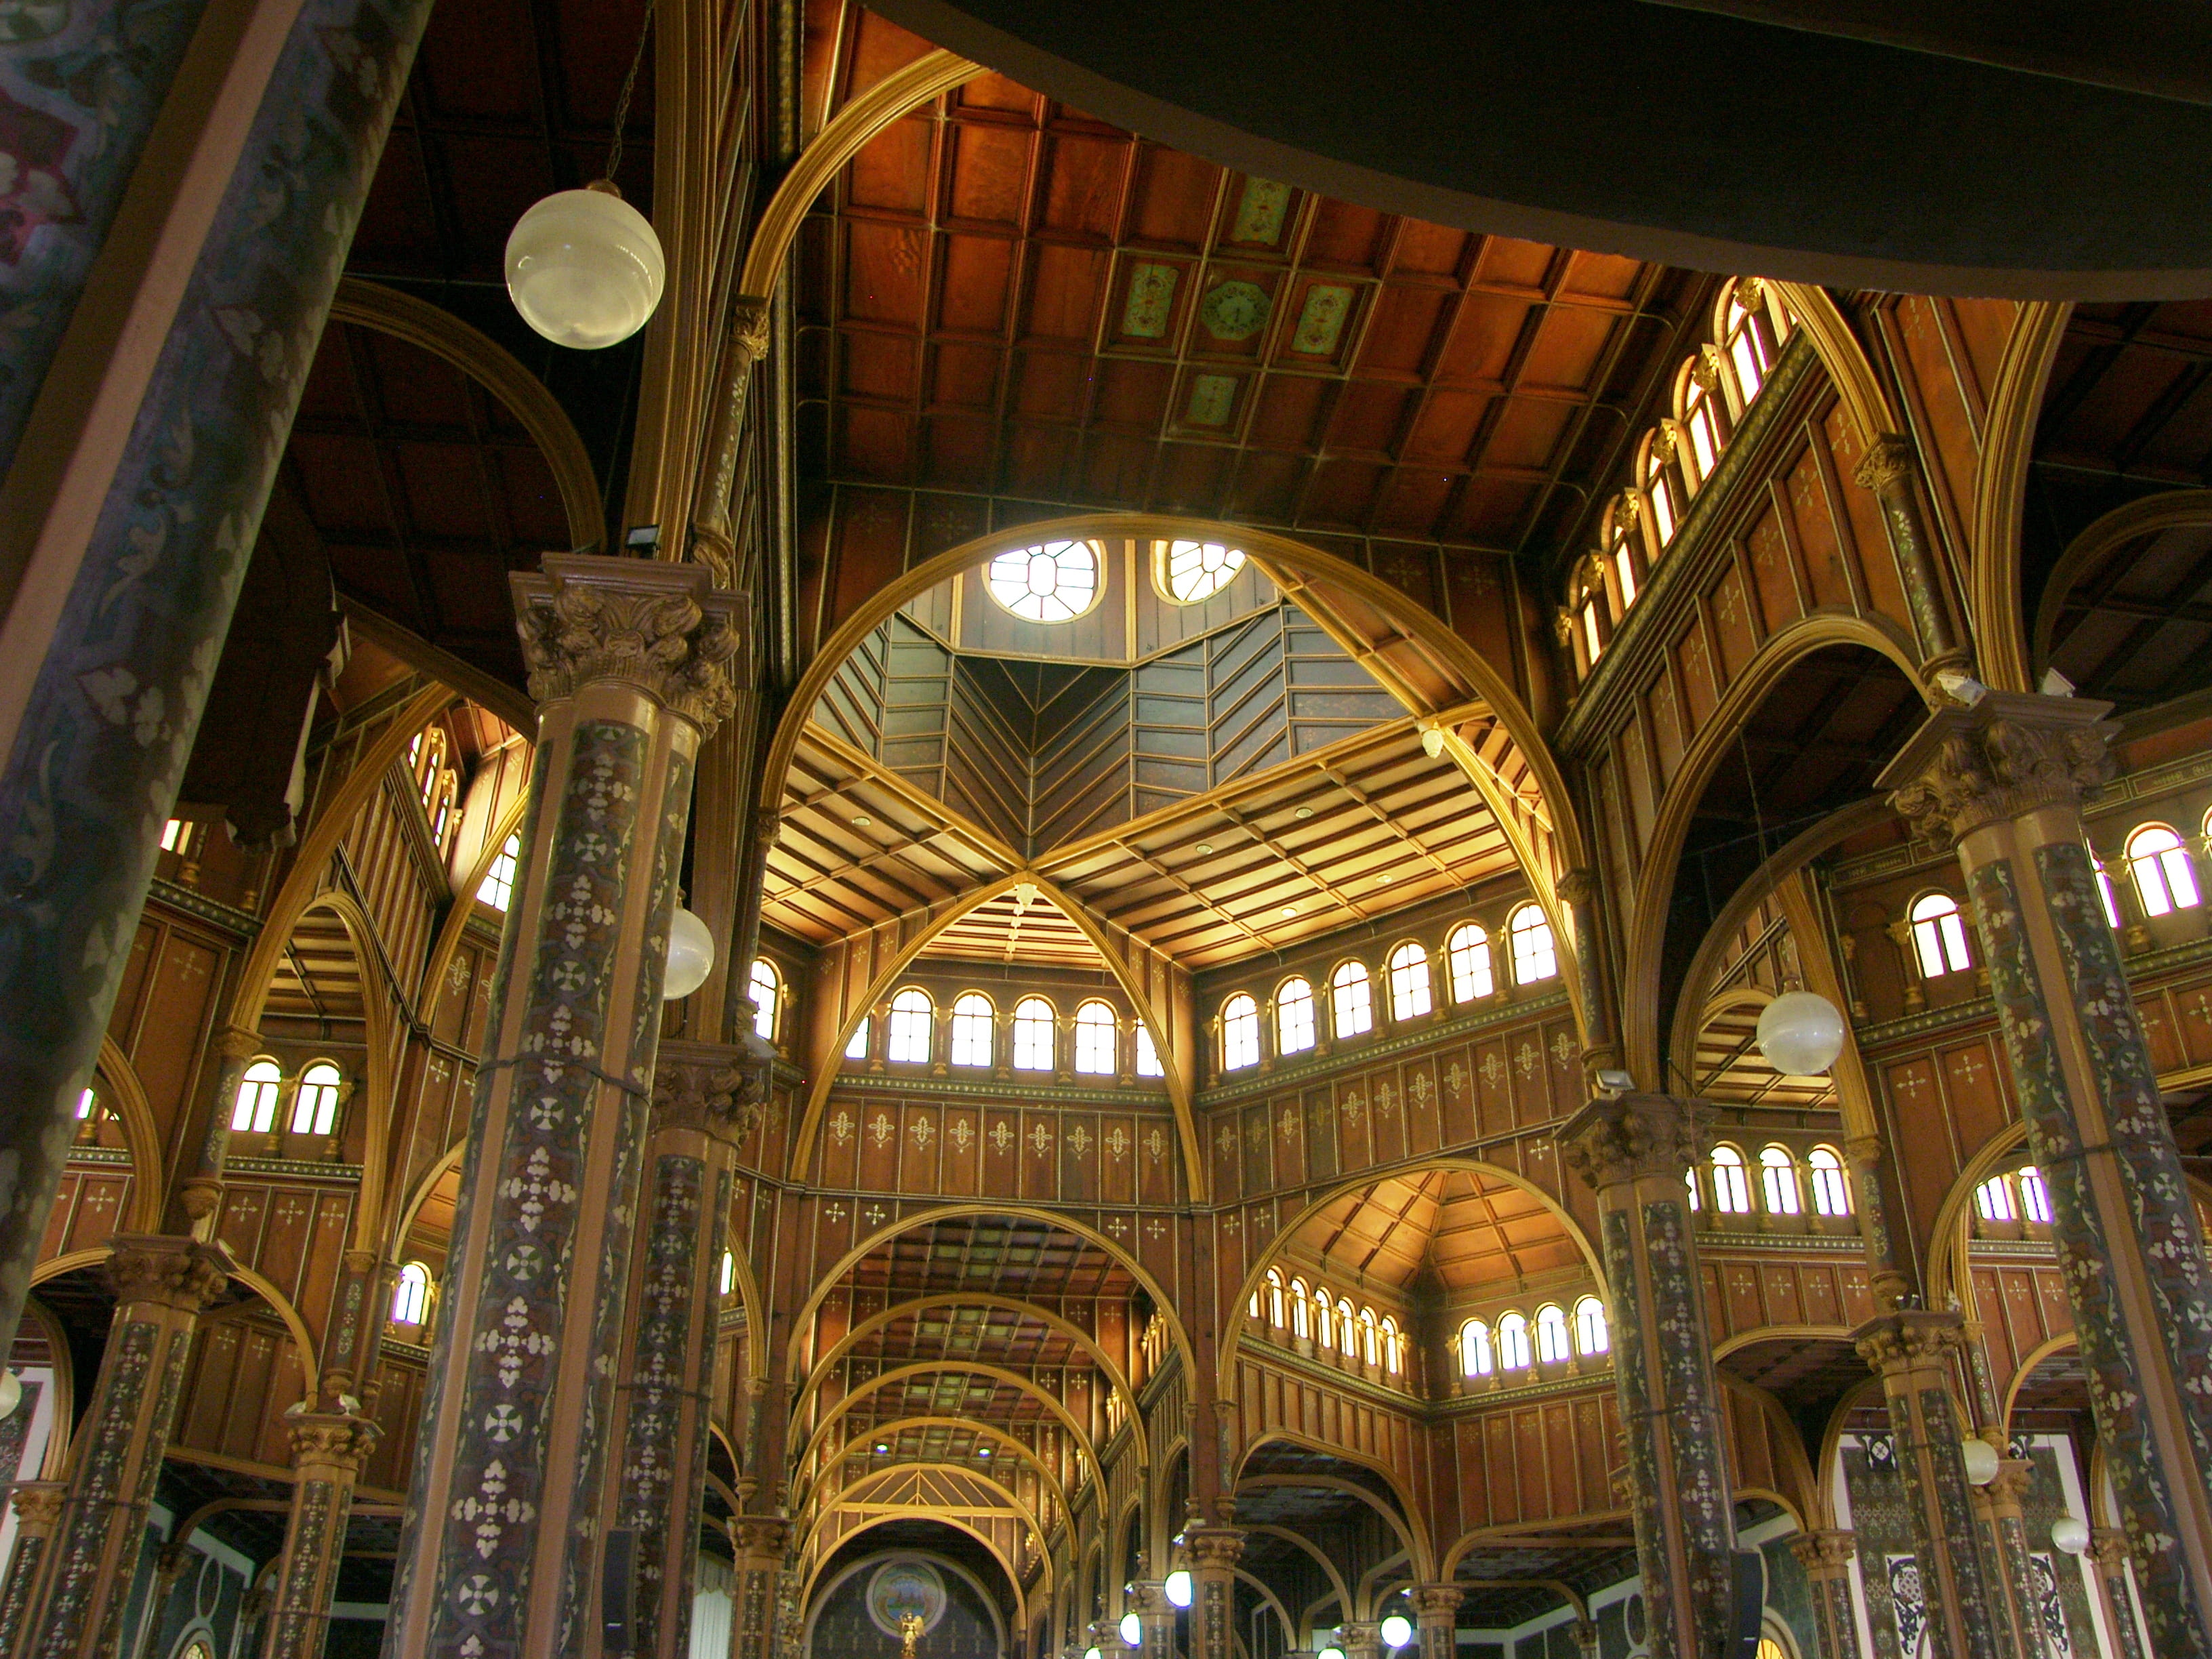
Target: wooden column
{"type": "Point", "coordinates": [1916, 1352]}
{"type": "Point", "coordinates": [1214, 1551]}
{"type": "Point", "coordinates": [1890, 469]}
{"type": "Point", "coordinates": [1635, 1150]}
{"type": "Point", "coordinates": [2108, 1551]}
{"type": "Point", "coordinates": [1826, 1558]}
{"type": "Point", "coordinates": [756, 1599]}
{"type": "Point", "coordinates": [628, 663]}
{"type": "Point", "coordinates": [2004, 780]}
{"type": "Point", "coordinates": [38, 1512]}
{"type": "Point", "coordinates": [2005, 1542]}
{"type": "Point", "coordinates": [160, 1287]}
{"type": "Point", "coordinates": [1435, 1615]}
{"type": "Point", "coordinates": [328, 1449]}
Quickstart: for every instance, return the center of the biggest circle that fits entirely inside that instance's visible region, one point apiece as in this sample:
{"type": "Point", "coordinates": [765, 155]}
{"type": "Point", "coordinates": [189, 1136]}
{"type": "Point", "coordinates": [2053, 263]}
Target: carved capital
{"type": "Point", "coordinates": [1910, 1338]}
{"type": "Point", "coordinates": [1435, 1604]}
{"type": "Point", "coordinates": [236, 1045]}
{"type": "Point", "coordinates": [1585, 1634]}
{"type": "Point", "coordinates": [1215, 1547]}
{"type": "Point", "coordinates": [1825, 1553]}
{"type": "Point", "coordinates": [2008, 755]}
{"type": "Point", "coordinates": [2014, 1477]}
{"type": "Point", "coordinates": [2108, 1548]}
{"type": "Point", "coordinates": [177, 1273]}
{"type": "Point", "coordinates": [1576, 887]}
{"type": "Point", "coordinates": [717, 1088]}
{"type": "Point", "coordinates": [767, 826]}
{"type": "Point", "coordinates": [660, 627]}
{"type": "Point", "coordinates": [1148, 1598]}
{"type": "Point", "coordinates": [334, 1439]}
{"type": "Point", "coordinates": [760, 1537]}
{"type": "Point", "coordinates": [749, 323]}
{"type": "Point", "coordinates": [1888, 464]}
{"type": "Point", "coordinates": [1563, 626]}
{"type": "Point", "coordinates": [39, 1505]}
{"type": "Point", "coordinates": [1621, 1138]}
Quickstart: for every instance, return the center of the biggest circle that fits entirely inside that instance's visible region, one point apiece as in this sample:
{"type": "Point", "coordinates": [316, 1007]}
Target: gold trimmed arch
{"type": "Point", "coordinates": [1950, 1266]}
{"type": "Point", "coordinates": [450, 930]}
{"type": "Point", "coordinates": [1022, 1599]}
{"type": "Point", "coordinates": [1410, 1527]}
{"type": "Point", "coordinates": [2028, 1361]}
{"type": "Point", "coordinates": [140, 1135]}
{"type": "Point", "coordinates": [1872, 417]}
{"type": "Point", "coordinates": [1026, 1454]}
{"type": "Point", "coordinates": [1028, 1385]}
{"type": "Point", "coordinates": [1225, 1377]}
{"type": "Point", "coordinates": [1647, 920]}
{"type": "Point", "coordinates": [2001, 493]}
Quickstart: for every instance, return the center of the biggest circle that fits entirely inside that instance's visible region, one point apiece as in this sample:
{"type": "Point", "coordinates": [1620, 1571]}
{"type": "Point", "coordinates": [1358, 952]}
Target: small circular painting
{"type": "Point", "coordinates": [900, 1588]}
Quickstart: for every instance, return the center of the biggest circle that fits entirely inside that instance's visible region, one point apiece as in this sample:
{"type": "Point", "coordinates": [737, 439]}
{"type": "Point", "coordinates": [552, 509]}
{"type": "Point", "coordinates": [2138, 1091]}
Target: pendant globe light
{"type": "Point", "coordinates": [691, 956]}
{"type": "Point", "coordinates": [1800, 1032]}
{"type": "Point", "coordinates": [583, 266]}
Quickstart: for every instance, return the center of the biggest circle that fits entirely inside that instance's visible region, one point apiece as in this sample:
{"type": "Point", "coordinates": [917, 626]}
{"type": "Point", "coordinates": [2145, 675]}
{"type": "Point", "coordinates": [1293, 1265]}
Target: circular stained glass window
{"type": "Point", "coordinates": [1052, 582]}
{"type": "Point", "coordinates": [1191, 571]}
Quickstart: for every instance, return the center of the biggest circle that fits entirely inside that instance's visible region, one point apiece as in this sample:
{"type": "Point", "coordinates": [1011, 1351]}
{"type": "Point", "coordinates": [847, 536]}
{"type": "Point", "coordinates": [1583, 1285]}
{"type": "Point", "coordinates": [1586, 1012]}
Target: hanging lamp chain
{"type": "Point", "coordinates": [629, 86]}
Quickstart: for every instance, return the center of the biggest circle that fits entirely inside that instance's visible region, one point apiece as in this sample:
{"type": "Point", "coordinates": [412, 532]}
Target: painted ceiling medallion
{"type": "Point", "coordinates": [1234, 310]}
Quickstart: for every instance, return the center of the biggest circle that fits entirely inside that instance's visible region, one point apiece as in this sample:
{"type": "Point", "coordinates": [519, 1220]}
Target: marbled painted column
{"type": "Point", "coordinates": [2007, 1544]}
{"type": "Point", "coordinates": [2004, 780]}
{"type": "Point", "coordinates": [1214, 1551]}
{"type": "Point", "coordinates": [1635, 1149]}
{"type": "Point", "coordinates": [38, 1512]}
{"type": "Point", "coordinates": [1870, 1200]}
{"type": "Point", "coordinates": [160, 1287]}
{"type": "Point", "coordinates": [328, 1449]}
{"type": "Point", "coordinates": [499, 1554]}
{"type": "Point", "coordinates": [1826, 1558]}
{"type": "Point", "coordinates": [199, 1194]}
{"type": "Point", "coordinates": [356, 1329]}
{"type": "Point", "coordinates": [1436, 1616]}
{"type": "Point", "coordinates": [1916, 1353]}
{"type": "Point", "coordinates": [2108, 1556]}
{"type": "Point", "coordinates": [130, 568]}
{"type": "Point", "coordinates": [705, 1101]}
{"type": "Point", "coordinates": [759, 1543]}
{"type": "Point", "coordinates": [1890, 469]}
{"type": "Point", "coordinates": [1577, 891]}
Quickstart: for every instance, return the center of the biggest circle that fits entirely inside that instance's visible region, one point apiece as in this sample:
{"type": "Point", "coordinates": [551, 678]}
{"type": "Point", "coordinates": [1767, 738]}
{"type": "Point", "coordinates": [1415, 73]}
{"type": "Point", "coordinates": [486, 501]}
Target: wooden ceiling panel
{"type": "Point", "coordinates": [1463, 1232]}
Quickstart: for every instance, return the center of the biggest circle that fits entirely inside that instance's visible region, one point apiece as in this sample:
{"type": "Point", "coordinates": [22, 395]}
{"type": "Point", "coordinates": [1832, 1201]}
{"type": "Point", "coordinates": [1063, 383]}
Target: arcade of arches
{"type": "Point", "coordinates": [1251, 764]}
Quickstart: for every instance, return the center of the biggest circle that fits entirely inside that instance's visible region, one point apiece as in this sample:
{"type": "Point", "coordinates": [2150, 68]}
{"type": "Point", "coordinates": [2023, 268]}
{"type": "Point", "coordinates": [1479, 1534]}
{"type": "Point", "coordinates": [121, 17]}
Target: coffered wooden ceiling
{"type": "Point", "coordinates": [1459, 1230]}
{"type": "Point", "coordinates": [1005, 297]}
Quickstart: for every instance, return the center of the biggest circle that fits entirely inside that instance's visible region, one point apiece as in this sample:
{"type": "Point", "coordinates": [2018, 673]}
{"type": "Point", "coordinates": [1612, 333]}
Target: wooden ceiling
{"type": "Point", "coordinates": [1459, 1230]}
{"type": "Point", "coordinates": [1005, 297]}
{"type": "Point", "coordinates": [1012, 1255]}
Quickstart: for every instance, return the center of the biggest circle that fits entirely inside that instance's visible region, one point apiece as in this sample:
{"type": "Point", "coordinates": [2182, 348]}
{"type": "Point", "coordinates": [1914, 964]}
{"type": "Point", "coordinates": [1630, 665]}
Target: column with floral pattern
{"type": "Point", "coordinates": [1826, 1555]}
{"type": "Point", "coordinates": [328, 1449]}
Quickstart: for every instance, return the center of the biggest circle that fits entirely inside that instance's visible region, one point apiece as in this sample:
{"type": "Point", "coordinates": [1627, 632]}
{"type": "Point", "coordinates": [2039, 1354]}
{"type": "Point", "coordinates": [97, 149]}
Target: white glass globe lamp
{"type": "Point", "coordinates": [2069, 1534]}
{"type": "Point", "coordinates": [584, 267]}
{"type": "Point", "coordinates": [691, 956]}
{"type": "Point", "coordinates": [1396, 1630]}
{"type": "Point", "coordinates": [1178, 1587]}
{"type": "Point", "coordinates": [1330, 1652]}
{"type": "Point", "coordinates": [1981, 1461]}
{"type": "Point", "coordinates": [1801, 1034]}
{"type": "Point", "coordinates": [11, 1393]}
{"type": "Point", "coordinates": [1133, 1631]}
{"type": "Point", "coordinates": [1092, 1652]}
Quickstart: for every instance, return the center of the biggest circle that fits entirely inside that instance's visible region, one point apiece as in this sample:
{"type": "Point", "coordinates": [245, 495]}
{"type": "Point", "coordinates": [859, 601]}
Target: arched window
{"type": "Point", "coordinates": [1097, 1040]}
{"type": "Point", "coordinates": [410, 1298]}
{"type": "Point", "coordinates": [1621, 549]}
{"type": "Point", "coordinates": [2164, 878]}
{"type": "Point", "coordinates": [441, 809]}
{"type": "Point", "coordinates": [175, 834]}
{"type": "Point", "coordinates": [1052, 582]}
{"type": "Point", "coordinates": [87, 1104]}
{"type": "Point", "coordinates": [1301, 1316]}
{"type": "Point", "coordinates": [1352, 1000]}
{"type": "Point", "coordinates": [973, 1018]}
{"type": "Point", "coordinates": [1689, 1180]}
{"type": "Point", "coordinates": [1345, 1335]}
{"type": "Point", "coordinates": [729, 1272]}
{"type": "Point", "coordinates": [1659, 488]}
{"type": "Point", "coordinates": [1034, 1022]}
{"type": "Point", "coordinates": [1324, 1317]}
{"type": "Point", "coordinates": [1391, 1362]}
{"type": "Point", "coordinates": [1368, 1352]}
{"type": "Point", "coordinates": [1294, 1017]}
{"type": "Point", "coordinates": [497, 889]}
{"type": "Point", "coordinates": [256, 1108]}
{"type": "Point", "coordinates": [1240, 1033]}
{"type": "Point", "coordinates": [1590, 1334]}
{"type": "Point", "coordinates": [1586, 599]}
{"type": "Point", "coordinates": [1409, 981]}
{"type": "Point", "coordinates": [1777, 1180]}
{"type": "Point", "coordinates": [913, 1014]}
{"type": "Point", "coordinates": [1939, 935]}
{"type": "Point", "coordinates": [2034, 1196]}
{"type": "Point", "coordinates": [1513, 1352]}
{"type": "Point", "coordinates": [1476, 1356]}
{"type": "Point", "coordinates": [315, 1108]}
{"type": "Point", "coordinates": [768, 997]}
{"type": "Point", "coordinates": [1148, 1052]}
{"type": "Point", "coordinates": [1746, 347]}
{"type": "Point", "coordinates": [1731, 1186]}
{"type": "Point", "coordinates": [1831, 1187]}
{"type": "Point", "coordinates": [2112, 900]}
{"type": "Point", "coordinates": [856, 1046]}
{"type": "Point", "coordinates": [1187, 572]}
{"type": "Point", "coordinates": [1468, 954]}
{"type": "Point", "coordinates": [1552, 1343]}
{"type": "Point", "coordinates": [1275, 1299]}
{"type": "Point", "coordinates": [1993, 1200]}
{"type": "Point", "coordinates": [1533, 954]}
{"type": "Point", "coordinates": [1694, 415]}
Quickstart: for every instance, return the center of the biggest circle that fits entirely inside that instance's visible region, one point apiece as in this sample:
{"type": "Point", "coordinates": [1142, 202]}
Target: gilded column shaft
{"type": "Point", "coordinates": [1914, 1353]}
{"type": "Point", "coordinates": [328, 1449]}
{"type": "Point", "coordinates": [502, 1544]}
{"type": "Point", "coordinates": [1826, 1558]}
{"type": "Point", "coordinates": [160, 1287]}
{"type": "Point", "coordinates": [2004, 780]}
{"type": "Point", "coordinates": [1635, 1149]}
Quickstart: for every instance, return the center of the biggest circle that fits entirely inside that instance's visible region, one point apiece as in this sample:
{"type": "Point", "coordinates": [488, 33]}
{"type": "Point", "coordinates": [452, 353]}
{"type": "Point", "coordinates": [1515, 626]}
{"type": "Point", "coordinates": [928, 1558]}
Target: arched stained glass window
{"type": "Point", "coordinates": [1731, 1185]}
{"type": "Point", "coordinates": [1369, 1353]}
{"type": "Point", "coordinates": [1352, 1000]}
{"type": "Point", "coordinates": [1591, 1335]}
{"type": "Point", "coordinates": [1301, 1315]}
{"type": "Point", "coordinates": [497, 888]}
{"type": "Point", "coordinates": [1391, 1357]}
{"type": "Point", "coordinates": [1191, 571]}
{"type": "Point", "coordinates": [1345, 1335]}
{"type": "Point", "coordinates": [1514, 1353]}
{"type": "Point", "coordinates": [1832, 1187]}
{"type": "Point", "coordinates": [1294, 1016]}
{"type": "Point", "coordinates": [1240, 1033]}
{"type": "Point", "coordinates": [1700, 426]}
{"type": "Point", "coordinates": [2165, 877]}
{"type": "Point", "coordinates": [1939, 935]}
{"type": "Point", "coordinates": [1777, 1180]}
{"type": "Point", "coordinates": [1097, 1040]}
{"type": "Point", "coordinates": [1534, 956]}
{"type": "Point", "coordinates": [913, 1014]}
{"type": "Point", "coordinates": [2034, 1196]}
{"type": "Point", "coordinates": [1466, 952]}
{"type": "Point", "coordinates": [255, 1110]}
{"type": "Point", "coordinates": [315, 1108]}
{"type": "Point", "coordinates": [768, 997]}
{"type": "Point", "coordinates": [410, 1297]}
{"type": "Point", "coordinates": [1034, 1023]}
{"type": "Point", "coordinates": [1993, 1200]}
{"type": "Point", "coordinates": [1552, 1343]}
{"type": "Point", "coordinates": [1476, 1356]}
{"type": "Point", "coordinates": [1051, 582]}
{"type": "Point", "coordinates": [973, 1018]}
{"type": "Point", "coordinates": [1409, 981]}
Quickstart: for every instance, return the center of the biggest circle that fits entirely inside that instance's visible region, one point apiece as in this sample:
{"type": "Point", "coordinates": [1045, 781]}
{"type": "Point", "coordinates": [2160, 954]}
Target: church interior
{"type": "Point", "coordinates": [1013, 831]}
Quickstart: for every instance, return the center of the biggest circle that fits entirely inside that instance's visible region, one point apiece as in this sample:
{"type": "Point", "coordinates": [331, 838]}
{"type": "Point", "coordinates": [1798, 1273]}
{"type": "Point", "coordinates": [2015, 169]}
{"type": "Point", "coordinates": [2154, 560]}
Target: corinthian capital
{"type": "Point", "coordinates": [1825, 1551]}
{"type": "Point", "coordinates": [710, 1087]}
{"type": "Point", "coordinates": [1887, 463]}
{"type": "Point", "coordinates": [2009, 754]}
{"type": "Point", "coordinates": [333, 1439]}
{"type": "Point", "coordinates": [660, 627]}
{"type": "Point", "coordinates": [177, 1273]}
{"type": "Point", "coordinates": [1910, 1339]}
{"type": "Point", "coordinates": [1620, 1137]}
{"type": "Point", "coordinates": [1215, 1547]}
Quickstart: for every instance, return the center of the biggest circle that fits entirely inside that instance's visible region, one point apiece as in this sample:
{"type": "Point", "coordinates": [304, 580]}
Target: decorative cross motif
{"type": "Point", "coordinates": [440, 1069]}
{"type": "Point", "coordinates": [1422, 1089]}
{"type": "Point", "coordinates": [1155, 1145]}
{"type": "Point", "coordinates": [1910, 1084]}
{"type": "Point", "coordinates": [1386, 1098]}
{"type": "Point", "coordinates": [1079, 1138]}
{"type": "Point", "coordinates": [836, 1213]}
{"type": "Point", "coordinates": [1457, 1079]}
{"type": "Point", "coordinates": [1525, 1057]}
{"type": "Point", "coordinates": [1156, 1228]}
{"type": "Point", "coordinates": [1226, 1139]}
{"type": "Point", "coordinates": [841, 1128]}
{"type": "Point", "coordinates": [1040, 1137]}
{"type": "Point", "coordinates": [1353, 1107]}
{"type": "Point", "coordinates": [1232, 1224]}
{"type": "Point", "coordinates": [1002, 1134]}
{"type": "Point", "coordinates": [1256, 1132]}
{"type": "Point", "coordinates": [874, 1215]}
{"type": "Point", "coordinates": [1971, 1066]}
{"type": "Point", "coordinates": [1290, 1124]}
{"type": "Point", "coordinates": [1726, 604]}
{"type": "Point", "coordinates": [1118, 1227]}
{"type": "Point", "coordinates": [1564, 1048]}
{"type": "Point", "coordinates": [1117, 1142]}
{"type": "Point", "coordinates": [920, 1128]}
{"type": "Point", "coordinates": [961, 1131]}
{"type": "Point", "coordinates": [881, 1127]}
